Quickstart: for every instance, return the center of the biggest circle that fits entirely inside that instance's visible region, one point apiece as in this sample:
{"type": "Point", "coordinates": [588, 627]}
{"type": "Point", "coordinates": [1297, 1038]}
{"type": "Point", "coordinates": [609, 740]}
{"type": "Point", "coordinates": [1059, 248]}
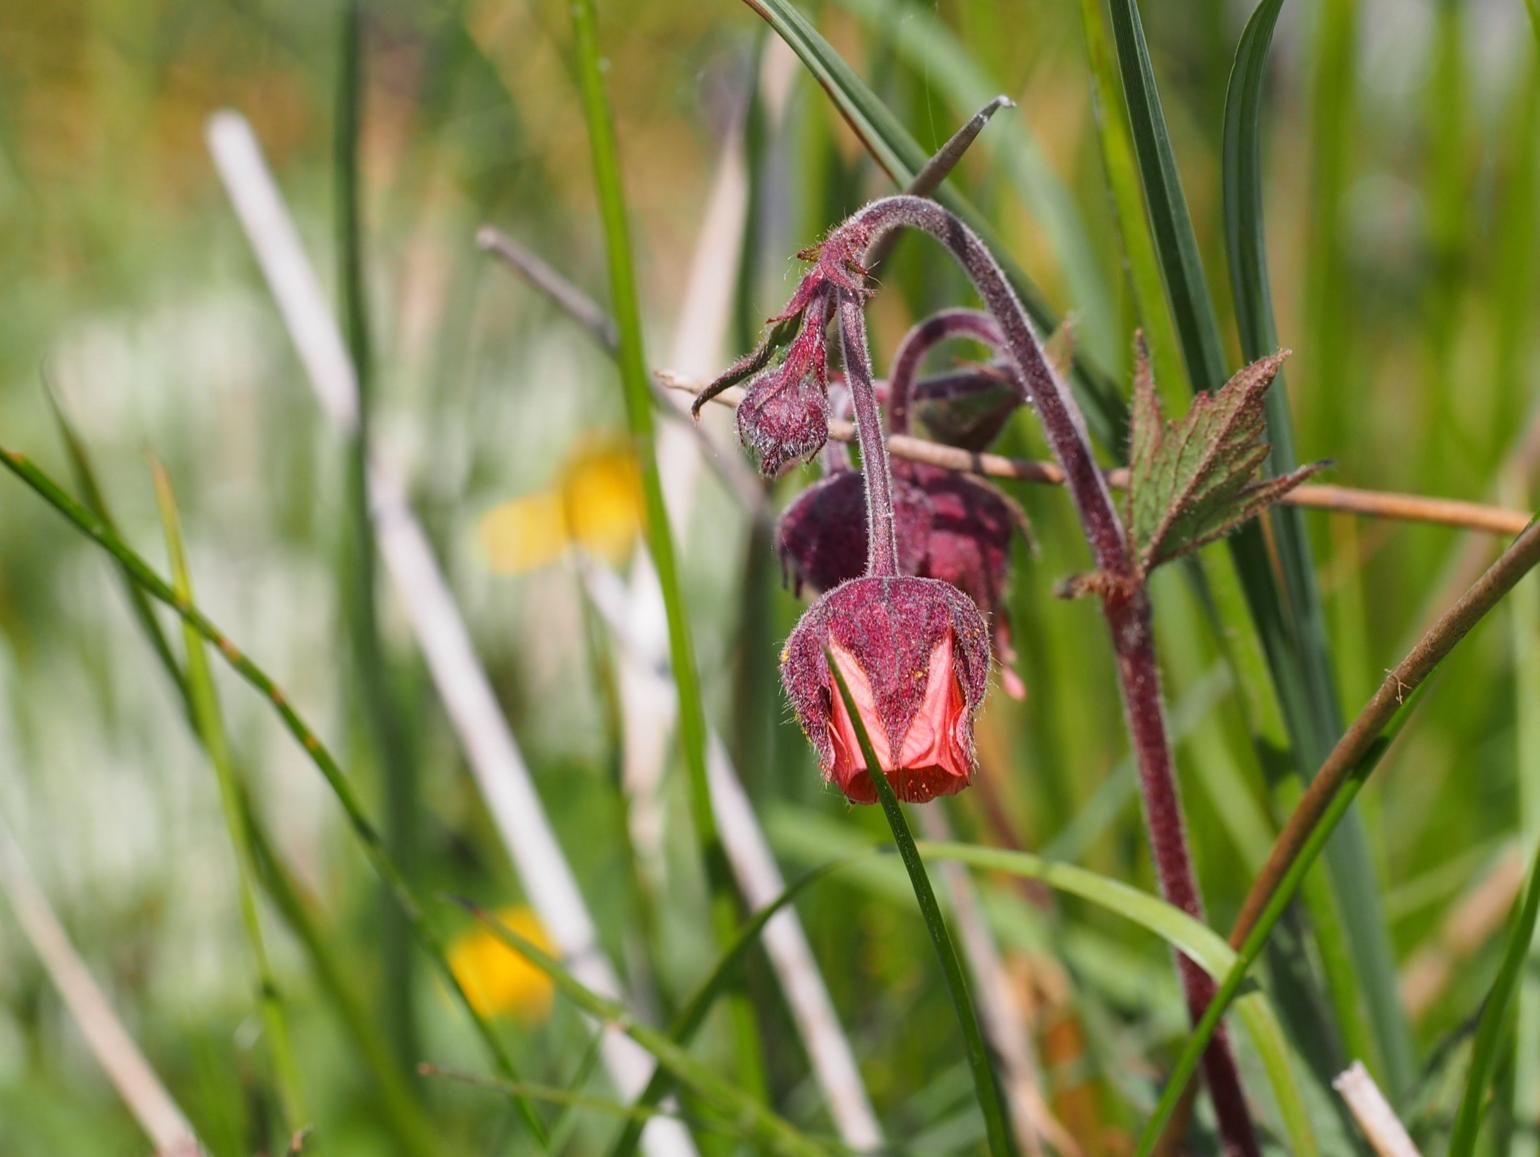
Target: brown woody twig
{"type": "Point", "coordinates": [1349, 499]}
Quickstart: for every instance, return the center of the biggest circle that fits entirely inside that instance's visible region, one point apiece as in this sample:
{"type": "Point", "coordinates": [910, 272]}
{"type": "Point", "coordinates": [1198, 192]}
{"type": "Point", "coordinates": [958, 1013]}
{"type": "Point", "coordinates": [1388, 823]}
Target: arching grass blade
{"type": "Point", "coordinates": [772, 1132]}
{"type": "Point", "coordinates": [363, 828]}
{"type": "Point", "coordinates": [1494, 1018]}
{"type": "Point", "coordinates": [211, 731]}
{"type": "Point", "coordinates": [986, 1086]}
{"type": "Point", "coordinates": [1291, 632]}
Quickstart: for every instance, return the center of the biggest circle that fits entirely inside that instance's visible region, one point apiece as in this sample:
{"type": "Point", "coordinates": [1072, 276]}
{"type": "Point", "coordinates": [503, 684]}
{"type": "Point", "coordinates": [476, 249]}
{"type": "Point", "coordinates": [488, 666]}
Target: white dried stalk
{"type": "Point", "coordinates": [126, 1067]}
{"type": "Point", "coordinates": [1380, 1125]}
{"type": "Point", "coordinates": [759, 879]}
{"type": "Point", "coordinates": [490, 749]}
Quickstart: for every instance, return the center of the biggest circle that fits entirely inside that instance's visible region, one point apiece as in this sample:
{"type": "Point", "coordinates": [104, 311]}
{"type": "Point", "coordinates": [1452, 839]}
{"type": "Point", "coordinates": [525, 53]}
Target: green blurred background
{"type": "Point", "coordinates": [1401, 199]}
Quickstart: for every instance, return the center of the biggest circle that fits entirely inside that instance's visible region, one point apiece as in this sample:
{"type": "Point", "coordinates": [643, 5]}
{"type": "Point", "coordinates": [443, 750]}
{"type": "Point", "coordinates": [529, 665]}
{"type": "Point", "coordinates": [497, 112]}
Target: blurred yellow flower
{"type": "Point", "coordinates": [499, 980]}
{"type": "Point", "coordinates": [596, 504]}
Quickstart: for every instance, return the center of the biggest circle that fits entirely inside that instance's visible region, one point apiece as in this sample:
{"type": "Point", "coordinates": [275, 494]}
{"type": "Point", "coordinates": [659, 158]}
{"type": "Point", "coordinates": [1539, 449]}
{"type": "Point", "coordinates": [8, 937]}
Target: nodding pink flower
{"type": "Point", "coordinates": [915, 654]}
{"type": "Point", "coordinates": [821, 537]}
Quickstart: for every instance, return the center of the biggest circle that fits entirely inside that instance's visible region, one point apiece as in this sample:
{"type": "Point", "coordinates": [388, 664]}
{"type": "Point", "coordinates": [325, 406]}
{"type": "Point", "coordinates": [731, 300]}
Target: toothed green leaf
{"type": "Point", "coordinates": [1195, 480]}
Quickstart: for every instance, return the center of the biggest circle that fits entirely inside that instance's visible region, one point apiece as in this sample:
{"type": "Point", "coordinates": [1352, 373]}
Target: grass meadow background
{"type": "Point", "coordinates": [1399, 165]}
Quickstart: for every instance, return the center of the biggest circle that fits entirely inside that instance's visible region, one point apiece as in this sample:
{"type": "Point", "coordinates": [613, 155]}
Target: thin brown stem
{"type": "Point", "coordinates": [1348, 499]}
{"type": "Point", "coordinates": [1365, 731]}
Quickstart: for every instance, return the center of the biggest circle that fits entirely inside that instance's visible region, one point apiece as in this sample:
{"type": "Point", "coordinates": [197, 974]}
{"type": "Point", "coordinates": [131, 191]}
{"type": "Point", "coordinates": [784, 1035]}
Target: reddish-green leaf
{"type": "Point", "coordinates": [1195, 480]}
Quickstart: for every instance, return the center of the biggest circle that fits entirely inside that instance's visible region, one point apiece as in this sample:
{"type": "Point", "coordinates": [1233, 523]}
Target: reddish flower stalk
{"type": "Point", "coordinates": [1125, 603]}
{"type": "Point", "coordinates": [946, 325]}
{"type": "Point", "coordinates": [881, 537]}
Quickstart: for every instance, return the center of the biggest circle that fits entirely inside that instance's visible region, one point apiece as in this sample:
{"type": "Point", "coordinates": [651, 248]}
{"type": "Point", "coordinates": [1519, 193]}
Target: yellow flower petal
{"type": "Point", "coordinates": [603, 494]}
{"type": "Point", "coordinates": [597, 504]}
{"type": "Point", "coordinates": [524, 534]}
{"type": "Point", "coordinates": [499, 980]}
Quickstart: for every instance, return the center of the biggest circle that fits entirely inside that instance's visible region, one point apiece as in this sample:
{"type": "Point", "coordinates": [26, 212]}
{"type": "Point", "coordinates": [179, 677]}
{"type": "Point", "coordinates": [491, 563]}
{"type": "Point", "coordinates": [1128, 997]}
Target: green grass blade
{"type": "Point", "coordinates": [1186, 286]}
{"type": "Point", "coordinates": [566, 1125]}
{"type": "Point", "coordinates": [1360, 907]}
{"type": "Point", "coordinates": [85, 477]}
{"type": "Point", "coordinates": [1525, 612]}
{"type": "Point", "coordinates": [1241, 158]}
{"type": "Point", "coordinates": [1122, 168]}
{"type": "Point", "coordinates": [411, 1126]}
{"type": "Point", "coordinates": [692, 1014]}
{"type": "Point", "coordinates": [144, 576]}
{"type": "Point", "coordinates": [1183, 933]}
{"type": "Point", "coordinates": [1494, 1018]}
{"type": "Point", "coordinates": [773, 1132]}
{"type": "Point", "coordinates": [902, 158]}
{"type": "Point", "coordinates": [1287, 618]}
{"type": "Point", "coordinates": [1312, 825]}
{"type": "Point", "coordinates": [809, 837]}
{"type": "Point", "coordinates": [1233, 981]}
{"type": "Point", "coordinates": [985, 1085]}
{"type": "Point", "coordinates": [637, 386]}
{"type": "Point", "coordinates": [576, 1102]}
{"type": "Point", "coordinates": [921, 38]}
{"type": "Point", "coordinates": [551, 1094]}
{"type": "Point", "coordinates": [1215, 581]}
{"type": "Point", "coordinates": [381, 716]}
{"type": "Point", "coordinates": [1246, 248]}
{"type": "Point", "coordinates": [206, 716]}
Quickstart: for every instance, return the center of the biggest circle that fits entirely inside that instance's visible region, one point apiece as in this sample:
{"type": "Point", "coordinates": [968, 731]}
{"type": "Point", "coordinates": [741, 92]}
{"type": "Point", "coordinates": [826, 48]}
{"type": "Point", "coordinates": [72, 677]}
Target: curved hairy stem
{"type": "Point", "coordinates": [919, 341]}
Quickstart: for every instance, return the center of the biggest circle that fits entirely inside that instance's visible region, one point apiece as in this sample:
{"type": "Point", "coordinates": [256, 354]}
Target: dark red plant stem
{"type": "Point", "coordinates": [1130, 619]}
{"type": "Point", "coordinates": [919, 341]}
{"type": "Point", "coordinates": [1124, 601]}
{"type": "Point", "coordinates": [881, 538]}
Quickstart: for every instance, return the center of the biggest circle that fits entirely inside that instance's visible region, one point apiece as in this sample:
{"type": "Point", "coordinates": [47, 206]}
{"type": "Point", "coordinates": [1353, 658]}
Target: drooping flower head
{"type": "Point", "coordinates": [947, 526]}
{"type": "Point", "coordinates": [913, 651]}
{"type": "Point", "coordinates": [821, 537]}
{"type": "Point", "coordinates": [915, 654]}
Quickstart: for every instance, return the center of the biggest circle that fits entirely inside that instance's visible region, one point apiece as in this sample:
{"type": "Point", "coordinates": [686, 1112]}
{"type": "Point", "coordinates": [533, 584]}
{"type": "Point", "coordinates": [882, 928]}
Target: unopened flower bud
{"type": "Point", "coordinates": [967, 408]}
{"type": "Point", "coordinates": [783, 418]}
{"type": "Point", "coordinates": [822, 536]}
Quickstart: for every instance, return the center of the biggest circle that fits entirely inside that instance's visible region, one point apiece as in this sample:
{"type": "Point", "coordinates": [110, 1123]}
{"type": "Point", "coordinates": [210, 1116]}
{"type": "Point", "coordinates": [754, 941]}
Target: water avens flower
{"type": "Point", "coordinates": [915, 654]}
{"type": "Point", "coordinates": [913, 651]}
